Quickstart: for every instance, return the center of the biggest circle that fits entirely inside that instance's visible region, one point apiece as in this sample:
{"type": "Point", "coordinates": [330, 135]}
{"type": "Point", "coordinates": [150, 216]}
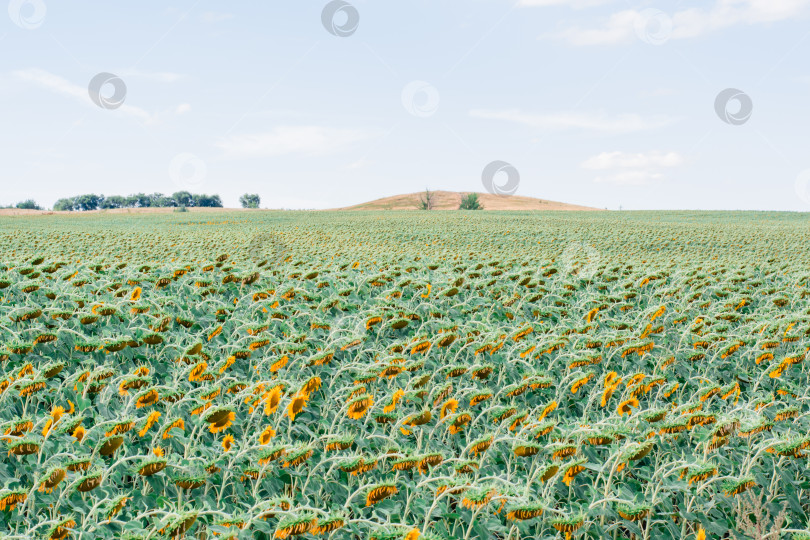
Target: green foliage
{"type": "Point", "coordinates": [138, 200]}
{"type": "Point", "coordinates": [318, 378]}
{"type": "Point", "coordinates": [470, 202]}
{"type": "Point", "coordinates": [29, 204]}
{"type": "Point", "coordinates": [427, 200]}
{"type": "Point", "coordinates": [250, 200]}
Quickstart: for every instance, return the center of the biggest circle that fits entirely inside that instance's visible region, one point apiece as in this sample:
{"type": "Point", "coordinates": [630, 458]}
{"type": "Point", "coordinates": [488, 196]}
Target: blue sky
{"type": "Point", "coordinates": [604, 103]}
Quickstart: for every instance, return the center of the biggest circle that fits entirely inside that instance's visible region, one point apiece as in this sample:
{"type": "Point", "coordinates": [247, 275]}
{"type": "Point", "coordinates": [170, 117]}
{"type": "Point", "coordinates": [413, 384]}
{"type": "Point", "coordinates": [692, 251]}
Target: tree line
{"type": "Point", "coordinates": [181, 199]}
{"type": "Point", "coordinates": [139, 200]}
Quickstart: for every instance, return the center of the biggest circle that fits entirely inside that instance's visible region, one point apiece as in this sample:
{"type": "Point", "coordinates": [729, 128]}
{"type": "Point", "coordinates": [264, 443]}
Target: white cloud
{"type": "Point", "coordinates": [183, 108]}
{"type": "Point", "coordinates": [632, 169]}
{"type": "Point", "coordinates": [620, 27]}
{"type": "Point", "coordinates": [624, 160]}
{"type": "Point", "coordinates": [629, 178]}
{"type": "Point", "coordinates": [599, 122]}
{"type": "Point", "coordinates": [158, 76]}
{"type": "Point", "coordinates": [576, 4]}
{"type": "Point", "coordinates": [57, 84]}
{"type": "Point", "coordinates": [284, 140]}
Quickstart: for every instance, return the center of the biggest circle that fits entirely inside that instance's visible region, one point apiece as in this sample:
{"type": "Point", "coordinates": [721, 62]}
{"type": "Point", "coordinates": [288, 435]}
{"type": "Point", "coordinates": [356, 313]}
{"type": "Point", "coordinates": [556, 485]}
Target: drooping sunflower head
{"type": "Point", "coordinates": [295, 525]}
{"type": "Point", "coordinates": [379, 492]}
{"type": "Point", "coordinates": [523, 512]}
{"type": "Point", "coordinates": [359, 406]}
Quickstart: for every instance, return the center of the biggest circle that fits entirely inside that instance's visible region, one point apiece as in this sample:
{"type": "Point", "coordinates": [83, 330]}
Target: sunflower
{"type": "Point", "coordinates": [297, 456]}
{"type": "Point", "coordinates": [10, 499]}
{"type": "Point", "coordinates": [51, 479]}
{"type": "Point", "coordinates": [150, 421]}
{"type": "Point", "coordinates": [625, 407]}
{"type": "Point", "coordinates": [380, 492]}
{"type": "Point", "coordinates": [480, 398]}
{"type": "Point", "coordinates": [267, 434]}
{"type": "Point", "coordinates": [151, 466]}
{"type": "Point", "coordinates": [178, 423]}
{"type": "Point", "coordinates": [481, 445]}
{"type": "Point", "coordinates": [568, 525]}
{"type": "Point", "coordinates": [61, 530]}
{"type": "Point", "coordinates": [394, 399]}
{"type": "Point", "coordinates": [608, 392]}
{"type": "Point", "coordinates": [311, 385]}
{"type": "Point", "coordinates": [215, 333]}
{"type": "Point", "coordinates": [227, 443]}
{"type": "Point", "coordinates": [524, 512]}
{"type": "Point", "coordinates": [458, 421]}
{"type": "Point", "coordinates": [271, 454]}
{"type": "Point", "coordinates": [149, 397]}
{"type": "Point", "coordinates": [297, 403]}
{"type": "Point", "coordinates": [449, 407]}
{"type": "Point", "coordinates": [136, 294]}
{"type": "Point", "coordinates": [548, 409]}
{"type": "Point", "coordinates": [477, 498]}
{"type": "Point", "coordinates": [295, 526]}
{"type": "Point", "coordinates": [734, 488]}
{"type": "Point", "coordinates": [222, 423]}
{"type": "Point", "coordinates": [633, 512]}
{"type": "Point", "coordinates": [280, 363]}
{"type": "Point", "coordinates": [326, 526]}
{"type": "Point", "coordinates": [359, 406]}
{"type": "Point", "coordinates": [272, 400]}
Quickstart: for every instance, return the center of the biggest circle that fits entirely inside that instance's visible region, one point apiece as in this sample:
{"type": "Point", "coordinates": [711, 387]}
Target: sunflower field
{"type": "Point", "coordinates": [404, 376]}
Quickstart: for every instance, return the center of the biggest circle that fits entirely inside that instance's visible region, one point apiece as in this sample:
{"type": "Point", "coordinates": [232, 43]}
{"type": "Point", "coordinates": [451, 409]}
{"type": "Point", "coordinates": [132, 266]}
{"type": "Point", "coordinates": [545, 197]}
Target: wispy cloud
{"type": "Point", "coordinates": [634, 169]}
{"type": "Point", "coordinates": [629, 178]}
{"type": "Point", "coordinates": [285, 140]}
{"type": "Point", "coordinates": [599, 122]}
{"type": "Point", "coordinates": [614, 160]}
{"type": "Point", "coordinates": [157, 76]}
{"type": "Point", "coordinates": [621, 26]}
{"type": "Point", "coordinates": [576, 4]}
{"type": "Point", "coordinates": [57, 84]}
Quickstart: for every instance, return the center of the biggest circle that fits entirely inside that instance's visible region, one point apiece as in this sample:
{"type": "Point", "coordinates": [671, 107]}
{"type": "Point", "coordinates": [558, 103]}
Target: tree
{"type": "Point", "coordinates": [63, 205]}
{"type": "Point", "coordinates": [29, 204]}
{"type": "Point", "coordinates": [183, 198]}
{"type": "Point", "coordinates": [87, 202]}
{"type": "Point", "coordinates": [470, 202]}
{"type": "Point", "coordinates": [139, 200]}
{"type": "Point", "coordinates": [250, 200]}
{"type": "Point", "coordinates": [113, 201]}
{"type": "Point", "coordinates": [426, 201]}
{"type": "Point", "coordinates": [159, 200]}
{"type": "Point", "coordinates": [208, 201]}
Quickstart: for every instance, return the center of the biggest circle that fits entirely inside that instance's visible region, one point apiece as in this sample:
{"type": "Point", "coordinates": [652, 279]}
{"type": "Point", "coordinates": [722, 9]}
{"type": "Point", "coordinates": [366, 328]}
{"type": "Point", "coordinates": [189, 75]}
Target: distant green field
{"type": "Point", "coordinates": [404, 375]}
